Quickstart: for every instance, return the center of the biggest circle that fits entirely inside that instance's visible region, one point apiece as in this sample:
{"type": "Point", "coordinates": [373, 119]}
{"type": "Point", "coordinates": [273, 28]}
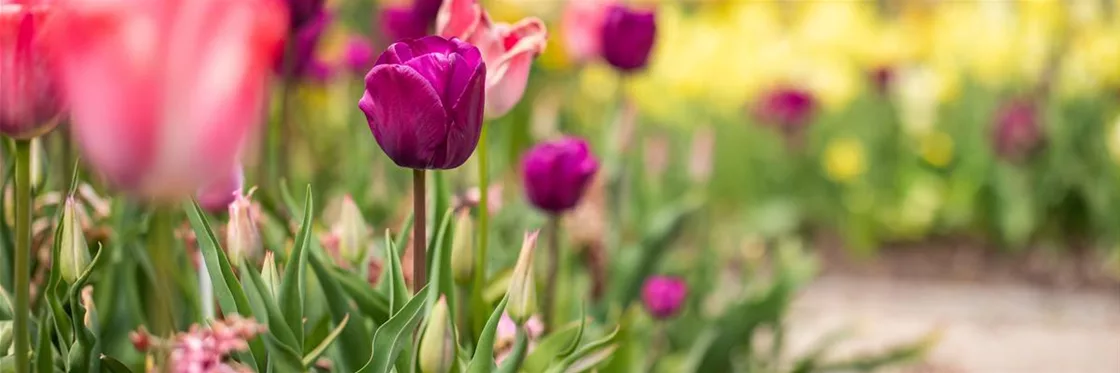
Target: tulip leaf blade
{"type": "Point", "coordinates": [293, 284]}
{"type": "Point", "coordinates": [355, 338]}
{"type": "Point", "coordinates": [229, 291]}
{"type": "Point", "coordinates": [373, 304]}
{"type": "Point", "coordinates": [483, 360]}
{"type": "Point", "coordinates": [114, 365]}
{"type": "Point", "coordinates": [398, 289]}
{"type": "Point", "coordinates": [310, 358]}
{"type": "Point", "coordinates": [387, 340]}
{"type": "Point", "coordinates": [278, 328]}
{"type": "Point", "coordinates": [583, 357]}
{"type": "Point", "coordinates": [441, 263]}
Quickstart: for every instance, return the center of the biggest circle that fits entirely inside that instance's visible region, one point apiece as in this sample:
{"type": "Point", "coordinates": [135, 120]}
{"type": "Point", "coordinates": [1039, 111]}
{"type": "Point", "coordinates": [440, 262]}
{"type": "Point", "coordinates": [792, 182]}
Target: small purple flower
{"type": "Point", "coordinates": [664, 295]}
{"type": "Point", "coordinates": [1016, 132]}
{"type": "Point", "coordinates": [359, 54]}
{"type": "Point", "coordinates": [303, 11]}
{"type": "Point", "coordinates": [401, 23]}
{"type": "Point", "coordinates": [556, 173]}
{"type": "Point", "coordinates": [627, 37]}
{"type": "Point", "coordinates": [304, 45]}
{"type": "Point", "coordinates": [424, 101]}
{"type": "Point", "coordinates": [787, 108]}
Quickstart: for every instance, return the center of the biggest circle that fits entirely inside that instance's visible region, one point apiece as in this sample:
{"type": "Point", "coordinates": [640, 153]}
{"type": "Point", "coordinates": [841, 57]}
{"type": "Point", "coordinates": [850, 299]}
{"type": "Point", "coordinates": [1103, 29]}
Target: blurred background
{"type": "Point", "coordinates": [951, 168]}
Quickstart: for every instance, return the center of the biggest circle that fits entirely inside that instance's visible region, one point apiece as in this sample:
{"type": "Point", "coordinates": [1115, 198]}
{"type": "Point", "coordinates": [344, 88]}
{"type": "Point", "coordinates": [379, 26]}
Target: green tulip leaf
{"type": "Point", "coordinates": [371, 303]}
{"type": "Point", "coordinates": [294, 282]}
{"type": "Point", "coordinates": [392, 336]}
{"type": "Point", "coordinates": [483, 360]}
{"type": "Point", "coordinates": [278, 329]}
{"type": "Point", "coordinates": [557, 344]}
{"type": "Point", "coordinates": [310, 358]}
{"type": "Point", "coordinates": [512, 362]}
{"type": "Point", "coordinates": [398, 289]}
{"type": "Point", "coordinates": [113, 365]}
{"type": "Point", "coordinates": [591, 353]}
{"type": "Point", "coordinates": [355, 338]}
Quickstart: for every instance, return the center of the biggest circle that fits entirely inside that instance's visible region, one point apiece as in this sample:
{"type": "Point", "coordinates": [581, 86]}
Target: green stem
{"type": "Point", "coordinates": [419, 257]}
{"type": "Point", "coordinates": [553, 270]}
{"type": "Point", "coordinates": [161, 252]}
{"type": "Point", "coordinates": [483, 204]}
{"type": "Point", "coordinates": [22, 270]}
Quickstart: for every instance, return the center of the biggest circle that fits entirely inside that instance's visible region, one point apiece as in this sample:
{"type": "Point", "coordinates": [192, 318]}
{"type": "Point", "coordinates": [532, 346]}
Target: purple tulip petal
{"type": "Point", "coordinates": [435, 68]}
{"type": "Point", "coordinates": [396, 97]}
{"type": "Point", "coordinates": [467, 110]}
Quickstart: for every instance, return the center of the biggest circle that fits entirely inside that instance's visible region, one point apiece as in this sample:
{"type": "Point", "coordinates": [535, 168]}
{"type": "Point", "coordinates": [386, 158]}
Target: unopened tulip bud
{"type": "Point", "coordinates": [73, 249]}
{"type": "Point", "coordinates": [462, 248]}
{"type": "Point", "coordinates": [522, 289]}
{"type": "Point", "coordinates": [353, 234]}
{"type": "Point", "coordinates": [437, 346]}
{"type": "Point", "coordinates": [243, 239]}
{"type": "Point", "coordinates": [664, 295]}
{"type": "Point", "coordinates": [270, 274]}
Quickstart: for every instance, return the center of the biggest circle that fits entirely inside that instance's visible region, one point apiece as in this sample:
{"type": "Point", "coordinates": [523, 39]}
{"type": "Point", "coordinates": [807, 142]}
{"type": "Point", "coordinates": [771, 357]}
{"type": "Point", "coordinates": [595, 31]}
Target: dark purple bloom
{"type": "Point", "coordinates": [627, 37]}
{"type": "Point", "coordinates": [303, 11]}
{"type": "Point", "coordinates": [882, 77]}
{"type": "Point", "coordinates": [359, 54]}
{"type": "Point", "coordinates": [788, 108]}
{"type": "Point", "coordinates": [664, 295]}
{"type": "Point", "coordinates": [305, 42]}
{"type": "Point", "coordinates": [1016, 131]}
{"type": "Point", "coordinates": [426, 10]}
{"type": "Point", "coordinates": [400, 23]}
{"type": "Point", "coordinates": [556, 173]}
{"type": "Point", "coordinates": [424, 100]}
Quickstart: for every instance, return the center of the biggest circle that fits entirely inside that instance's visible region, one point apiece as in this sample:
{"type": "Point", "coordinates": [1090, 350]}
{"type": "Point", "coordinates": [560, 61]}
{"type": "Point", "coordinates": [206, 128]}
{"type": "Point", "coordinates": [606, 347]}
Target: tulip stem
{"type": "Point", "coordinates": [483, 205]}
{"type": "Point", "coordinates": [161, 250]}
{"type": "Point", "coordinates": [553, 269]}
{"type": "Point", "coordinates": [22, 270]}
{"type": "Point", "coordinates": [419, 257]}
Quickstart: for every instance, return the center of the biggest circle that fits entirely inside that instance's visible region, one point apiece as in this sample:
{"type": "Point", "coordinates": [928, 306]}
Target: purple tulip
{"type": "Point", "coordinates": [424, 100]}
{"type": "Point", "coordinates": [627, 37]}
{"type": "Point", "coordinates": [306, 41]}
{"type": "Point", "coordinates": [359, 54]}
{"type": "Point", "coordinates": [303, 11]}
{"type": "Point", "coordinates": [1016, 132]}
{"type": "Point", "coordinates": [400, 23]}
{"type": "Point", "coordinates": [787, 108]}
{"type": "Point", "coordinates": [664, 295]}
{"type": "Point", "coordinates": [426, 10]}
{"type": "Point", "coordinates": [556, 173]}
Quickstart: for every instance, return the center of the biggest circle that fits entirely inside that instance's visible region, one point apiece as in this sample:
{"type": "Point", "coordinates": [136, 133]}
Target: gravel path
{"type": "Point", "coordinates": [984, 328]}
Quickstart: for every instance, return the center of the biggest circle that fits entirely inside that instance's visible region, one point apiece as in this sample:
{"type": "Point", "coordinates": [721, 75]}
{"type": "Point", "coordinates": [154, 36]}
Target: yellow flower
{"type": "Point", "coordinates": [844, 159]}
{"type": "Point", "coordinates": [937, 148]}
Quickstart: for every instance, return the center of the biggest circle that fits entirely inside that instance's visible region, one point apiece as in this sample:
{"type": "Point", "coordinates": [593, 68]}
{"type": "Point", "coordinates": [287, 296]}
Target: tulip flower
{"type": "Point", "coordinates": [663, 296]}
{"type": "Point", "coordinates": [358, 57]}
{"type": "Point", "coordinates": [507, 49]}
{"type": "Point", "coordinates": [556, 174]}
{"type": "Point", "coordinates": [301, 12]}
{"type": "Point", "coordinates": [219, 194]}
{"type": "Point", "coordinates": [165, 93]}
{"type": "Point", "coordinates": [787, 108]}
{"type": "Point", "coordinates": [30, 102]}
{"type": "Point", "coordinates": [401, 23]}
{"type": "Point", "coordinates": [302, 60]}
{"type": "Point", "coordinates": [627, 37]}
{"type": "Point", "coordinates": [581, 26]}
{"type": "Point", "coordinates": [243, 238]}
{"type": "Point", "coordinates": [424, 100]}
{"type": "Point", "coordinates": [1016, 131]}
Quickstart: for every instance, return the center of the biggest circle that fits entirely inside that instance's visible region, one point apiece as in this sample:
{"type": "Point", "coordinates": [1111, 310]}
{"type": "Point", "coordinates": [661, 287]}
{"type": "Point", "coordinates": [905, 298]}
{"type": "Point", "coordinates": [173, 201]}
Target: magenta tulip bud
{"type": "Point", "coordinates": [424, 101]}
{"type": "Point", "coordinates": [29, 97]}
{"type": "Point", "coordinates": [787, 108]}
{"type": "Point", "coordinates": [359, 54]}
{"type": "Point", "coordinates": [556, 173]}
{"type": "Point", "coordinates": [664, 295]}
{"type": "Point", "coordinates": [401, 23]}
{"type": "Point", "coordinates": [301, 12]}
{"type": "Point", "coordinates": [627, 37]}
{"type": "Point", "coordinates": [302, 60]}
{"type": "Point", "coordinates": [1016, 132]}
{"type": "Point", "coordinates": [217, 196]}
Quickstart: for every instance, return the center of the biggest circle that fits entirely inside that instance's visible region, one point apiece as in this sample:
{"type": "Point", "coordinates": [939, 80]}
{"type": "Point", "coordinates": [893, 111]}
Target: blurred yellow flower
{"type": "Point", "coordinates": [844, 159]}
{"type": "Point", "coordinates": [937, 148]}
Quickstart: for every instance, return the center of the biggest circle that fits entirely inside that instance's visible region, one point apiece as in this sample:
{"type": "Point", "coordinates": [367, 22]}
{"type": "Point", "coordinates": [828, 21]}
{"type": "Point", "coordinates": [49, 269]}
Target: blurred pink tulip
{"type": "Point", "coordinates": [165, 93]}
{"type": "Point", "coordinates": [508, 50]}
{"type": "Point", "coordinates": [30, 102]}
{"type": "Point", "coordinates": [582, 26]}
{"type": "Point", "coordinates": [217, 196]}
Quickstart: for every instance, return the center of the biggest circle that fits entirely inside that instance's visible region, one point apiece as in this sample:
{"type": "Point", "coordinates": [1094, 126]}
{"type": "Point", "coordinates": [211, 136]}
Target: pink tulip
{"type": "Point", "coordinates": [508, 50]}
{"type": "Point", "coordinates": [217, 196]}
{"type": "Point", "coordinates": [30, 103]}
{"type": "Point", "coordinates": [165, 93]}
{"type": "Point", "coordinates": [582, 28]}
